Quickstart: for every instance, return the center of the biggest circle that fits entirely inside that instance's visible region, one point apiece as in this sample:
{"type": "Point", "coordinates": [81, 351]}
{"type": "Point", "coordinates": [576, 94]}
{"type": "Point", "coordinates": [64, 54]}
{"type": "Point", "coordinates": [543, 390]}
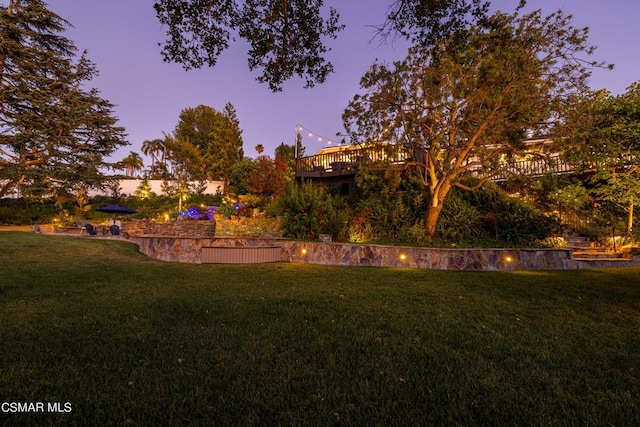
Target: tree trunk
{"type": "Point", "coordinates": [431, 218]}
{"type": "Point", "coordinates": [630, 218]}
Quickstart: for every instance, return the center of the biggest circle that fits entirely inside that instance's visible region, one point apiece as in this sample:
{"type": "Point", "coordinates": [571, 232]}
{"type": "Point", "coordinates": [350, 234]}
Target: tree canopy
{"type": "Point", "coordinates": [132, 164]}
{"type": "Point", "coordinates": [217, 136]}
{"type": "Point", "coordinates": [603, 135]}
{"type": "Point", "coordinates": [187, 168]}
{"type": "Point", "coordinates": [463, 105]}
{"type": "Point", "coordinates": [158, 152]}
{"type": "Point", "coordinates": [289, 37]}
{"type": "Point", "coordinates": [424, 22]}
{"type": "Point", "coordinates": [285, 37]}
{"type": "Point", "coordinates": [54, 134]}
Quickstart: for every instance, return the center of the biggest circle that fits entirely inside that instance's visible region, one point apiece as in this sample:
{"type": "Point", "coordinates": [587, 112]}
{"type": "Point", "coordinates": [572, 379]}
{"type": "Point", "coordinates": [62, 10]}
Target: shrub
{"type": "Point", "coordinates": [360, 229]}
{"type": "Point", "coordinates": [25, 212]}
{"type": "Point", "coordinates": [415, 234]}
{"type": "Point", "coordinates": [459, 219]}
{"type": "Point", "coordinates": [239, 175]}
{"type": "Point", "coordinates": [389, 203]}
{"type": "Point", "coordinates": [308, 211]}
{"type": "Point", "coordinates": [511, 219]}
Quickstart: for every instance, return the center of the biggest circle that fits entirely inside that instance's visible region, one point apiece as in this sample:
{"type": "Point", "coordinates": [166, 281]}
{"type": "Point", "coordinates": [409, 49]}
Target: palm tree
{"type": "Point", "coordinates": [132, 163]}
{"type": "Point", "coordinates": [149, 149]}
{"type": "Point", "coordinates": [152, 148]}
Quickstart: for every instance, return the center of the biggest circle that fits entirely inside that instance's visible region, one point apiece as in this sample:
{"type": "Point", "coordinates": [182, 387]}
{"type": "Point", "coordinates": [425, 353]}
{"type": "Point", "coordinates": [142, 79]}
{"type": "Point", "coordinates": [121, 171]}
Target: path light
{"type": "Point", "coordinates": [402, 257]}
{"type": "Point", "coordinates": [508, 259]}
{"type": "Point", "coordinates": [303, 251]}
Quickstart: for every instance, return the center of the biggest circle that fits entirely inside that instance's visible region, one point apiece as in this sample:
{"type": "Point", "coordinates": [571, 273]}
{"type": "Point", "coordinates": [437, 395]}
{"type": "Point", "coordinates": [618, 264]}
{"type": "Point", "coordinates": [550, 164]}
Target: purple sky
{"type": "Point", "coordinates": [121, 37]}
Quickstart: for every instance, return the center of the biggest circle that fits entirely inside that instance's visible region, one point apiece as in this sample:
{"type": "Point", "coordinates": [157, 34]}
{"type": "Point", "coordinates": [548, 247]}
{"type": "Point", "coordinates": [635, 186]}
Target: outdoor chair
{"type": "Point", "coordinates": [91, 230]}
{"type": "Point", "coordinates": [115, 230]}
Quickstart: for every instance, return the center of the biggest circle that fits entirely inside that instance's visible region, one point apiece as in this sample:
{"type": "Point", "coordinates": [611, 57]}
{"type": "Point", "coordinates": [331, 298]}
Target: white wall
{"type": "Point", "coordinates": [128, 187]}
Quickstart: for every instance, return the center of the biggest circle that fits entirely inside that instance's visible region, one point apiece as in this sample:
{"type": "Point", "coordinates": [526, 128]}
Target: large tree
{"type": "Point", "coordinates": [216, 134]}
{"type": "Point", "coordinates": [54, 133]}
{"type": "Point", "coordinates": [603, 135]}
{"type": "Point", "coordinates": [229, 140]}
{"type": "Point", "coordinates": [464, 104]}
{"type": "Point", "coordinates": [288, 37]}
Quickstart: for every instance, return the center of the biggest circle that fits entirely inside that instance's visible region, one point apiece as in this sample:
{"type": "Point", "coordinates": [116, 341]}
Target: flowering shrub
{"type": "Point", "coordinates": [194, 212]}
{"type": "Point", "coordinates": [190, 213]}
{"type": "Point", "coordinates": [231, 207]}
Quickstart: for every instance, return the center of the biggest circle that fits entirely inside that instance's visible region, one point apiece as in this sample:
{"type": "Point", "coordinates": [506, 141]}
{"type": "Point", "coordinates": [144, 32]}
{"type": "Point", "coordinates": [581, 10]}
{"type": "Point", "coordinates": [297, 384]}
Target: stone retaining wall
{"type": "Point", "coordinates": [189, 250]}
{"type": "Point", "coordinates": [221, 227]}
{"type": "Point", "coordinates": [431, 258]}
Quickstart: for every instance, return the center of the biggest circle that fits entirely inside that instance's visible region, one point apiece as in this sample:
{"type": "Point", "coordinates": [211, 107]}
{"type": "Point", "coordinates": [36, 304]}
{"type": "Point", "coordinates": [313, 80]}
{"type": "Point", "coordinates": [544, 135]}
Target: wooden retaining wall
{"type": "Point", "coordinates": [240, 254]}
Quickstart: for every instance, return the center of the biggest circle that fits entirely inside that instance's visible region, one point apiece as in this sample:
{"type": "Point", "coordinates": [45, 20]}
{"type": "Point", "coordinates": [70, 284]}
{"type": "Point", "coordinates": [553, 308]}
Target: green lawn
{"type": "Point", "coordinates": [129, 340]}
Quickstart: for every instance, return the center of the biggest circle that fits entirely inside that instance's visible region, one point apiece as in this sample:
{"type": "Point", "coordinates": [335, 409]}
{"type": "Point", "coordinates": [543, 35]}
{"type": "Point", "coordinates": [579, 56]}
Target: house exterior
{"type": "Point", "coordinates": [340, 164]}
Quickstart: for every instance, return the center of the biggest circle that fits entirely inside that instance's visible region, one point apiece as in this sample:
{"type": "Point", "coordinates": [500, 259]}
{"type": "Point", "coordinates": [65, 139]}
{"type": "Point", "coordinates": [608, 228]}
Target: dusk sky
{"type": "Point", "coordinates": [122, 38]}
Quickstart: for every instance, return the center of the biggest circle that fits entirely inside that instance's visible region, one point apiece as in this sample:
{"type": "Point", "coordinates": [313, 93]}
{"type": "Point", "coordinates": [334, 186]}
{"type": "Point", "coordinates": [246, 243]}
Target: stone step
{"type": "Point", "coordinates": [597, 255]}
{"type": "Point", "coordinates": [575, 247]}
{"type": "Point", "coordinates": [577, 238]}
{"type": "Point", "coordinates": [581, 244]}
{"type": "Point", "coordinates": [578, 241]}
{"type": "Point", "coordinates": [602, 259]}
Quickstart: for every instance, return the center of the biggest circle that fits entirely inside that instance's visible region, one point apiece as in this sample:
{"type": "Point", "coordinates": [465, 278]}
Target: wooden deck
{"type": "Point", "coordinates": [345, 163]}
{"type": "Point", "coordinates": [342, 166]}
{"type": "Point", "coordinates": [535, 168]}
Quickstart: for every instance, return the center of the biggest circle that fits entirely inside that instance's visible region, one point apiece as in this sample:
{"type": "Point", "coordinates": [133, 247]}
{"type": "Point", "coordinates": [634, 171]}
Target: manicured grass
{"type": "Point", "coordinates": [129, 340]}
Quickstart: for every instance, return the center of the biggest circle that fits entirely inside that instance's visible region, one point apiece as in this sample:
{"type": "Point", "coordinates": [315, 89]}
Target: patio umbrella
{"type": "Point", "coordinates": [116, 209]}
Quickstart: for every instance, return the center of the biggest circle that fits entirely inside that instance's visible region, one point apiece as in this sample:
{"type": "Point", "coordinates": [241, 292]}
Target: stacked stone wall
{"type": "Point", "coordinates": [182, 241]}
{"type": "Point", "coordinates": [221, 227]}
{"type": "Point", "coordinates": [189, 250]}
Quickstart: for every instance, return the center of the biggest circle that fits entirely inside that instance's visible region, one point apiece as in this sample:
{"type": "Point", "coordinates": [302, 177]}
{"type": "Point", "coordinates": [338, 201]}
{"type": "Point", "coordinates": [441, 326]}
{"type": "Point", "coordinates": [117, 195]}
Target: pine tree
{"type": "Point", "coordinates": [54, 134]}
{"type": "Point", "coordinates": [230, 137]}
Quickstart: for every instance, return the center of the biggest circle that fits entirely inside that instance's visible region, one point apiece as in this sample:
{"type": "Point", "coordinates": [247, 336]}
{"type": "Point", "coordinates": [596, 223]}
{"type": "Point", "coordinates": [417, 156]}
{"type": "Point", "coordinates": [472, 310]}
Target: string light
{"type": "Point", "coordinates": [312, 134]}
